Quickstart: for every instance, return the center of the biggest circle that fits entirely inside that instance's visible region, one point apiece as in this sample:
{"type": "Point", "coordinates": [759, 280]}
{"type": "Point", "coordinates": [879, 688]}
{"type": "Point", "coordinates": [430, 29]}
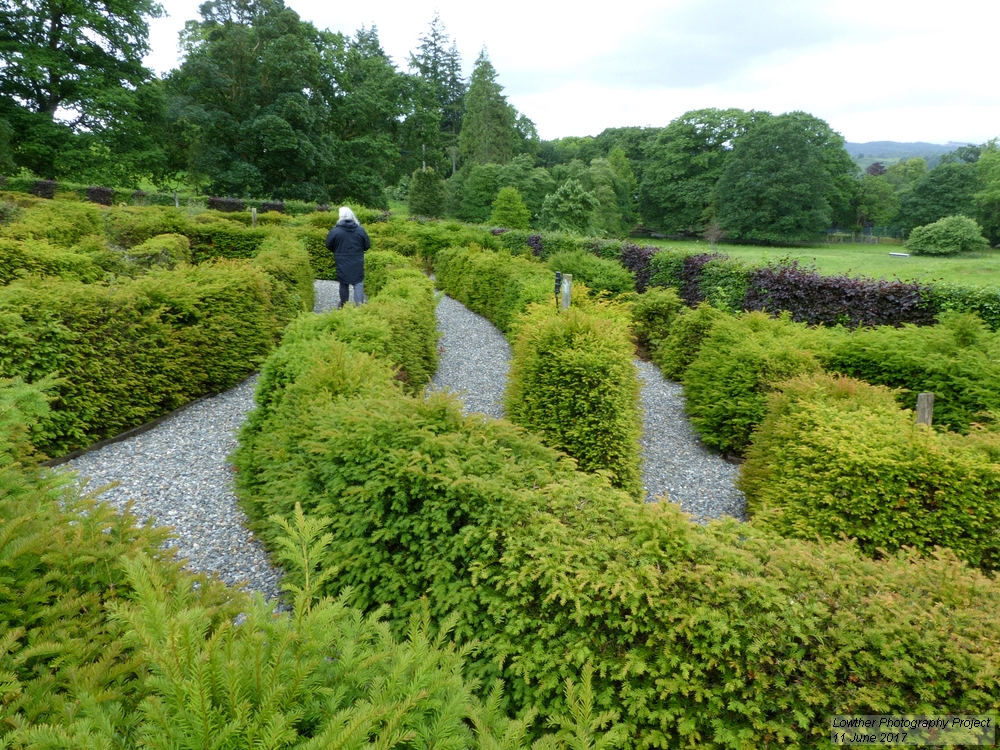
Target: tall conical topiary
{"type": "Point", "coordinates": [509, 210]}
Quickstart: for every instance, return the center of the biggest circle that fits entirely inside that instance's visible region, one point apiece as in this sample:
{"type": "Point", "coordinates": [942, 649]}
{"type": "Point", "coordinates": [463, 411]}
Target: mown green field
{"type": "Point", "coordinates": [874, 261]}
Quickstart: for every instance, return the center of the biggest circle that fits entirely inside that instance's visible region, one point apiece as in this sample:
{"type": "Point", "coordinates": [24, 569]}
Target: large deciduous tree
{"type": "Point", "coordinates": [72, 86]}
{"type": "Point", "coordinates": [248, 99]}
{"type": "Point", "coordinates": [775, 184]}
{"type": "Point", "coordinates": [683, 164]}
{"type": "Point", "coordinates": [875, 201]}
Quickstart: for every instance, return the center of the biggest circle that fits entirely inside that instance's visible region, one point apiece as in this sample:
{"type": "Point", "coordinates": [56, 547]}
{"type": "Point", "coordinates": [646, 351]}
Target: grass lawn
{"type": "Point", "coordinates": [873, 261]}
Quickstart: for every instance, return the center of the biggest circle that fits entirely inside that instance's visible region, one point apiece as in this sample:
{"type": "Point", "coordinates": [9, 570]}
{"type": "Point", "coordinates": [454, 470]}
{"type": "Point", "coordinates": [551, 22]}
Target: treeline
{"type": "Point", "coordinates": [783, 178]}
{"type": "Point", "coordinates": [263, 104]}
{"type": "Point", "coordinates": [267, 106]}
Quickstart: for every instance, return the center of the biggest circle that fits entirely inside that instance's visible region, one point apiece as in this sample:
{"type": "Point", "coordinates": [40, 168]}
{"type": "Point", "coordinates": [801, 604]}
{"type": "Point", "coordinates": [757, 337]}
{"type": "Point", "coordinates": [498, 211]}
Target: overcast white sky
{"type": "Point", "coordinates": [874, 69]}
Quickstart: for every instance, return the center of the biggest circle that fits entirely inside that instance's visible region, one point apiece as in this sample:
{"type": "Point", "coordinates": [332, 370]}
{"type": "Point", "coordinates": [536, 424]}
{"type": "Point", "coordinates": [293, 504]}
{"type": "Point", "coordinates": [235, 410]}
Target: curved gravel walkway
{"type": "Point", "coordinates": [675, 462]}
{"type": "Point", "coordinates": [473, 358]}
{"type": "Point", "coordinates": [178, 474]}
{"type": "Point", "coordinates": [474, 361]}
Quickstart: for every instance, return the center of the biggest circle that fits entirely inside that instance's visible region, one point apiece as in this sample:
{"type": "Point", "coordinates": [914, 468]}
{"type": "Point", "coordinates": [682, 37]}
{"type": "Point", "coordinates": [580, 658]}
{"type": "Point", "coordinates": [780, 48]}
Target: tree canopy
{"type": "Point", "coordinates": [683, 165]}
{"type": "Point", "coordinates": [775, 185]}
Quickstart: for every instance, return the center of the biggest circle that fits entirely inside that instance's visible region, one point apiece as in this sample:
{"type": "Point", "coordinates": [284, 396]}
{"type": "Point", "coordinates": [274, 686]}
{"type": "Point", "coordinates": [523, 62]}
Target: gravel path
{"type": "Point", "coordinates": [474, 360]}
{"type": "Point", "coordinates": [675, 463]}
{"type": "Point", "coordinates": [178, 474]}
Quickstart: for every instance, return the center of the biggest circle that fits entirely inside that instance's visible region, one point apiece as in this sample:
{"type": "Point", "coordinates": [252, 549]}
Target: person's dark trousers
{"type": "Point", "coordinates": [345, 293]}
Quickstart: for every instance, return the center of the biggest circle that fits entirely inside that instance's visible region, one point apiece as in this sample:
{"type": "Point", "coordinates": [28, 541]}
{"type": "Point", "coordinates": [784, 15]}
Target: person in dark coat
{"type": "Point", "coordinates": [348, 242]}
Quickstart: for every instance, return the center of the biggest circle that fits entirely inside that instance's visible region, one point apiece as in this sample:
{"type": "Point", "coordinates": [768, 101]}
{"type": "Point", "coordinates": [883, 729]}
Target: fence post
{"type": "Point", "coordinates": [566, 291]}
{"type": "Point", "coordinates": [253, 216]}
{"type": "Point", "coordinates": [925, 408]}
{"type": "Point", "coordinates": [177, 200]}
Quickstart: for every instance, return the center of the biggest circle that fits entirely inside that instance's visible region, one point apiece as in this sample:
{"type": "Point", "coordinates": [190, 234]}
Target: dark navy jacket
{"type": "Point", "coordinates": [348, 241]}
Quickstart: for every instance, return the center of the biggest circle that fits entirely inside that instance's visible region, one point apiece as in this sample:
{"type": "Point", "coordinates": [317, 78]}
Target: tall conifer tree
{"type": "Point", "coordinates": [488, 128]}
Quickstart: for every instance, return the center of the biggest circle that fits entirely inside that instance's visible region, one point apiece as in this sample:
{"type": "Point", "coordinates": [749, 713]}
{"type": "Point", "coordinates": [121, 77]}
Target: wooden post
{"type": "Point", "coordinates": [253, 216]}
{"type": "Point", "coordinates": [177, 200]}
{"type": "Point", "coordinates": [925, 408]}
{"type": "Point", "coordinates": [566, 294]}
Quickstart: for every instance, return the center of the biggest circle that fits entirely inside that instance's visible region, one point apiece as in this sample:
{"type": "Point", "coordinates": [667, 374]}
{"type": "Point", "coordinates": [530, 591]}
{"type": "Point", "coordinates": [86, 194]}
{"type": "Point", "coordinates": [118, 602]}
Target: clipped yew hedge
{"type": "Point", "coordinates": [573, 383]}
{"type": "Point", "coordinates": [837, 456]}
{"type": "Point", "coordinates": [738, 363]}
{"type": "Point", "coordinates": [723, 635]}
{"type": "Point", "coordinates": [128, 352]}
{"type": "Point", "coordinates": [958, 361]}
{"type": "Point", "coordinates": [496, 285]}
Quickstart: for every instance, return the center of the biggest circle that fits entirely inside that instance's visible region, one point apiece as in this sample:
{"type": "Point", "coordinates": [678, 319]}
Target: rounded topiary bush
{"type": "Point", "coordinates": [948, 236]}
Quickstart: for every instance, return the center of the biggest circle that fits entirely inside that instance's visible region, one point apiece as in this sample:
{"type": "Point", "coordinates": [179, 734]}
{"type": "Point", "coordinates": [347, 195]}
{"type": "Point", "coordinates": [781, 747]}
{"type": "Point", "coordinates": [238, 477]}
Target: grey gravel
{"type": "Point", "coordinates": [177, 474]}
{"type": "Point", "coordinates": [675, 462]}
{"type": "Point", "coordinates": [473, 358]}
{"type": "Point", "coordinates": [328, 295]}
{"type": "Point", "coordinates": [474, 361]}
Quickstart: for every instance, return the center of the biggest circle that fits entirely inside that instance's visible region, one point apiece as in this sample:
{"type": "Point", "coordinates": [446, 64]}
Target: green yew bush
{"type": "Point", "coordinates": [687, 332]}
{"type": "Point", "coordinates": [598, 274]}
{"type": "Point", "coordinates": [128, 227]}
{"type": "Point", "coordinates": [496, 285]}
{"type": "Point", "coordinates": [724, 636]}
{"type": "Point", "coordinates": [19, 259]}
{"type": "Point", "coordinates": [653, 314]}
{"type": "Point", "coordinates": [948, 236]}
{"type": "Point", "coordinates": [958, 361]}
{"type": "Point", "coordinates": [320, 258]}
{"type": "Point", "coordinates": [509, 210]}
{"type": "Point", "coordinates": [836, 456]}
{"type": "Point", "coordinates": [573, 383]}
{"type": "Point", "coordinates": [163, 250]}
{"type": "Point", "coordinates": [62, 223]}
{"type": "Point", "coordinates": [378, 264]}
{"type": "Point", "coordinates": [291, 289]}
{"type": "Point", "coordinates": [128, 352]}
{"type": "Point", "coordinates": [426, 195]}
{"type": "Point", "coordinates": [738, 363]}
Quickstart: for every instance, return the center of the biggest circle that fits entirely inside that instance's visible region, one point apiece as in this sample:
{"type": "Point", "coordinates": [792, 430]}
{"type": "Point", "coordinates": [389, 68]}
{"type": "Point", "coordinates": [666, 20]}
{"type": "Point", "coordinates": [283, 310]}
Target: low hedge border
{"type": "Point", "coordinates": [837, 456]}
{"type": "Point", "coordinates": [107, 636]}
{"type": "Point", "coordinates": [722, 636]}
{"type": "Point", "coordinates": [496, 285]}
{"type": "Point", "coordinates": [127, 352]}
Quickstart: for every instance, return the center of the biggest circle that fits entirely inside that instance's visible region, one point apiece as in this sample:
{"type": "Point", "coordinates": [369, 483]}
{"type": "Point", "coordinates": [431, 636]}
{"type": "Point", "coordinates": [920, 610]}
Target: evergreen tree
{"type": "Point", "coordinates": [427, 194]}
{"type": "Point", "coordinates": [479, 191]}
{"type": "Point", "coordinates": [774, 185]}
{"type": "Point", "coordinates": [437, 69]}
{"type": "Point", "coordinates": [489, 132]}
{"type": "Point", "coordinates": [509, 210]}
{"type": "Point", "coordinates": [570, 208]}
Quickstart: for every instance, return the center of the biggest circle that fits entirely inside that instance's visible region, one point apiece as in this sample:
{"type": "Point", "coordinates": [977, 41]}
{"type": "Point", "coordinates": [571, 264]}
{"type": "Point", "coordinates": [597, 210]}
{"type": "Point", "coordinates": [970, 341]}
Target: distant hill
{"type": "Point", "coordinates": [890, 152]}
